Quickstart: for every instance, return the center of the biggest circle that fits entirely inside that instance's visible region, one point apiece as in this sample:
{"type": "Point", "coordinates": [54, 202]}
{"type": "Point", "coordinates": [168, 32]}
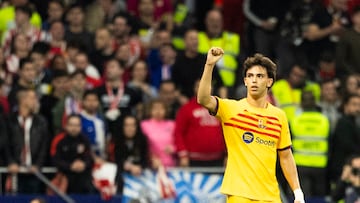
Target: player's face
{"type": "Point", "coordinates": [257, 82]}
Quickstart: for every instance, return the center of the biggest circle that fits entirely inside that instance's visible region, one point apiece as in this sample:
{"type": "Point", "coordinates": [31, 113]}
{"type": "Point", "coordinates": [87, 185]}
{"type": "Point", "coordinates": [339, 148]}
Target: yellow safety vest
{"type": "Point", "coordinates": [288, 99]}
{"type": "Point", "coordinates": [230, 43]}
{"type": "Point", "coordinates": [310, 131]}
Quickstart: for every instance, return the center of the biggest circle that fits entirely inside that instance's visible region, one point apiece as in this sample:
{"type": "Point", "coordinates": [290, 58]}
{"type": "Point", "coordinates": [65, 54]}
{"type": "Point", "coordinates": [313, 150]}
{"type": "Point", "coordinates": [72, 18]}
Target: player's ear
{"type": "Point", "coordinates": [270, 82]}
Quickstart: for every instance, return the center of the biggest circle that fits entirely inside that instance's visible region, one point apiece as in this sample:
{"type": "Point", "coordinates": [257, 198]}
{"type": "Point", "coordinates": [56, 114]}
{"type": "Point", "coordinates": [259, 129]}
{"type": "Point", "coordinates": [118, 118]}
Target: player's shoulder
{"type": "Point", "coordinates": [276, 110]}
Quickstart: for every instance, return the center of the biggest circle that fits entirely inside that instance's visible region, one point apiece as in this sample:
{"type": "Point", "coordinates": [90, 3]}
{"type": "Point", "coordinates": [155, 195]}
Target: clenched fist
{"type": "Point", "coordinates": [214, 54]}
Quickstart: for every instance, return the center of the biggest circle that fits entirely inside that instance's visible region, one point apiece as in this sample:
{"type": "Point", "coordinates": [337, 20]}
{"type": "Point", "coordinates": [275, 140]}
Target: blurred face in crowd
{"type": "Point", "coordinates": [167, 93]}
{"type": "Point", "coordinates": [21, 43]}
{"type": "Point", "coordinates": [297, 77]}
{"type": "Point", "coordinates": [78, 82]}
{"type": "Point", "coordinates": [71, 53]}
{"type": "Point", "coordinates": [121, 28]}
{"type": "Point", "coordinates": [55, 11]}
{"type": "Point", "coordinates": [214, 23]}
{"type": "Point", "coordinates": [59, 63]}
{"type": "Point", "coordinates": [28, 73]}
{"type": "Point", "coordinates": [329, 92]}
{"type": "Point", "coordinates": [308, 100]}
{"type": "Point", "coordinates": [130, 127]}
{"type": "Point", "coordinates": [140, 71]}
{"type": "Point", "coordinates": [60, 84]}
{"type": "Point", "coordinates": [39, 61]}
{"type": "Point", "coordinates": [158, 110]}
{"type": "Point", "coordinates": [28, 100]}
{"type": "Point", "coordinates": [102, 39]}
{"type": "Point", "coordinates": [355, 172]}
{"type": "Point", "coordinates": [191, 41]}
{"type": "Point", "coordinates": [81, 61]}
{"type": "Point", "coordinates": [162, 37]}
{"type": "Point", "coordinates": [113, 70]}
{"type": "Point", "coordinates": [57, 31]}
{"type": "Point", "coordinates": [91, 103]}
{"type": "Point", "coordinates": [352, 84]}
{"type": "Point", "coordinates": [146, 7]}
{"type": "Point", "coordinates": [75, 16]}
{"type": "Point", "coordinates": [21, 18]}
{"type": "Point", "coordinates": [73, 126]}
{"type": "Point", "coordinates": [167, 54]}
{"type": "Point", "coordinates": [356, 20]}
{"type": "Point", "coordinates": [352, 107]}
{"type": "Point", "coordinates": [123, 53]}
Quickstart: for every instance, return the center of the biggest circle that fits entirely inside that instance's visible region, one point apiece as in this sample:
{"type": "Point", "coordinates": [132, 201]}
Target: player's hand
{"type": "Point", "coordinates": [214, 55]}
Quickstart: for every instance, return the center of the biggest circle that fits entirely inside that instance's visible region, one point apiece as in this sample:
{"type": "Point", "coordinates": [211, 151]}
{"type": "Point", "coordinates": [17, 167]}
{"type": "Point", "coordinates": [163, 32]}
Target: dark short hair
{"type": "Point", "coordinates": [263, 61]}
{"type": "Point", "coordinates": [356, 9]}
{"type": "Point", "coordinates": [24, 61]}
{"type": "Point", "coordinates": [90, 92]}
{"type": "Point", "coordinates": [59, 73]}
{"type": "Point", "coordinates": [78, 72]}
{"type": "Point", "coordinates": [25, 9]}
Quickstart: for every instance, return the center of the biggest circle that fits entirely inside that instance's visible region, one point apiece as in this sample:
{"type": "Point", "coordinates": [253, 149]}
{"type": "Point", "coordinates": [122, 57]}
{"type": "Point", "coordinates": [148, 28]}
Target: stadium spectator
{"type": "Point", "coordinates": [310, 132]}
{"type": "Point", "coordinates": [160, 63]}
{"type": "Point", "coordinates": [324, 29]}
{"type": "Point", "coordinates": [27, 142]}
{"type": "Point", "coordinates": [188, 64]}
{"type": "Point", "coordinates": [198, 136]}
{"type": "Point", "coordinates": [139, 82]}
{"type": "Point", "coordinates": [99, 14]}
{"type": "Point", "coordinates": [71, 103]}
{"type": "Point", "coordinates": [350, 84]}
{"type": "Point", "coordinates": [347, 186]}
{"type": "Point", "coordinates": [76, 31]}
{"type": "Point", "coordinates": [124, 35]}
{"type": "Point", "coordinates": [20, 48]}
{"type": "Point", "coordinates": [104, 49]}
{"type": "Point", "coordinates": [22, 25]}
{"type": "Point", "coordinates": [4, 103]}
{"type": "Point", "coordinates": [8, 21]}
{"type": "Point", "coordinates": [170, 96]}
{"type": "Point", "coordinates": [26, 80]}
{"type": "Point", "coordinates": [72, 156]}
{"type": "Point", "coordinates": [38, 56]}
{"type": "Point", "coordinates": [57, 38]}
{"type": "Point", "coordinates": [82, 63]}
{"type": "Point", "coordinates": [55, 12]}
{"type": "Point", "coordinates": [345, 140]}
{"type": "Point", "coordinates": [130, 149]}
{"type": "Point", "coordinates": [160, 132]}
{"type": "Point", "coordinates": [265, 18]}
{"type": "Point", "coordinates": [59, 89]}
{"type": "Point", "coordinates": [330, 101]}
{"type": "Point", "coordinates": [347, 50]}
{"type": "Point", "coordinates": [291, 46]}
{"type": "Point", "coordinates": [287, 92]}
{"type": "Point", "coordinates": [93, 125]}
{"type": "Point", "coordinates": [117, 100]}
{"type": "Point", "coordinates": [215, 35]}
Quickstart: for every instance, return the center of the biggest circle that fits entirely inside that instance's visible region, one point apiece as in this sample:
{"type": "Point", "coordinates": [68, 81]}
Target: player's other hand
{"type": "Point", "coordinates": [214, 55]}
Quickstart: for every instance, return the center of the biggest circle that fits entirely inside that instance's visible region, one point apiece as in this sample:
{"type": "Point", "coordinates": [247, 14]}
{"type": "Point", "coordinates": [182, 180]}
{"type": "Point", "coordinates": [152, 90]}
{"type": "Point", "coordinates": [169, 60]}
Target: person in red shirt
{"type": "Point", "coordinates": [198, 136]}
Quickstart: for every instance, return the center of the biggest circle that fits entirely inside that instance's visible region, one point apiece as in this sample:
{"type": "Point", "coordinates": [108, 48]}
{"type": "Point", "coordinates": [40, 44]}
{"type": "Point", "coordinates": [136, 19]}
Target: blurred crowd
{"type": "Point", "coordinates": [88, 82]}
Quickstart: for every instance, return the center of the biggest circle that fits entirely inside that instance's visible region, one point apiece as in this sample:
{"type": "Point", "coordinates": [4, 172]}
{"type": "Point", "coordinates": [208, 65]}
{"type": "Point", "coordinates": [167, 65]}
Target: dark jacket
{"type": "Point", "coordinates": [38, 140]}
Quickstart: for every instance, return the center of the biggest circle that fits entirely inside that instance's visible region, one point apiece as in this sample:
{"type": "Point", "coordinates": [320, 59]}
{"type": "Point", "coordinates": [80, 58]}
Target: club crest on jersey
{"type": "Point", "coordinates": [262, 123]}
{"type": "Point", "coordinates": [248, 137]}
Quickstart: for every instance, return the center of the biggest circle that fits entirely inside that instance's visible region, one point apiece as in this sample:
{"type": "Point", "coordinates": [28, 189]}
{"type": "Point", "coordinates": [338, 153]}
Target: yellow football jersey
{"type": "Point", "coordinates": [253, 136]}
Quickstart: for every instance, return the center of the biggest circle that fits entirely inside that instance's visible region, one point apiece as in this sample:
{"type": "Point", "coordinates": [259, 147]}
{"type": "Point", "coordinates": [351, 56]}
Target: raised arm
{"type": "Point", "coordinates": [204, 97]}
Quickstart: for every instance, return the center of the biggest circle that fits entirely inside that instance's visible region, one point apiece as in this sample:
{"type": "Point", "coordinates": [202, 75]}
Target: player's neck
{"type": "Point", "coordinates": [260, 102]}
